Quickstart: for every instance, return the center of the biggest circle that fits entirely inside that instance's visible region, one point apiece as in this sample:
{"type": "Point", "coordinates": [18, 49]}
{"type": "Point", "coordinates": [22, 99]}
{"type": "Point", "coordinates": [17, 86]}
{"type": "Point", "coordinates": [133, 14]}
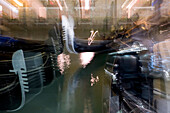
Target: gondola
{"type": "Point", "coordinates": [77, 45]}
{"type": "Point", "coordinates": [26, 67]}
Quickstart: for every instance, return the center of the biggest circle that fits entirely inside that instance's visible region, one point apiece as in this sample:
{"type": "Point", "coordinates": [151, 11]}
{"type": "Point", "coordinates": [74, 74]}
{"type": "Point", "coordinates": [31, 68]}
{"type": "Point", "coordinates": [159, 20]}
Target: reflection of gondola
{"type": "Point", "coordinates": [26, 66]}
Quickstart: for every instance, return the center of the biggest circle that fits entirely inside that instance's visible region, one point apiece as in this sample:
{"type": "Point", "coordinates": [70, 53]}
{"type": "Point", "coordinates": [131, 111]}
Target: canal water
{"type": "Point", "coordinates": [83, 87]}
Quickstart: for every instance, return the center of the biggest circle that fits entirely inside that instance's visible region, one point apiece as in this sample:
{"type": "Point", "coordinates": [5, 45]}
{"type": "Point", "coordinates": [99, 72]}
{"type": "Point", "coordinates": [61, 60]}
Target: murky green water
{"type": "Point", "coordinates": [79, 90]}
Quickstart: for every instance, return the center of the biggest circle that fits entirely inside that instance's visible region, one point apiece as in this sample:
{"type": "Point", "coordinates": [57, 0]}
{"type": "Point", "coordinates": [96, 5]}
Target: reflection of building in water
{"type": "Point", "coordinates": [94, 80]}
{"type": "Point", "coordinates": [63, 61]}
{"type": "Point", "coordinates": [86, 58]}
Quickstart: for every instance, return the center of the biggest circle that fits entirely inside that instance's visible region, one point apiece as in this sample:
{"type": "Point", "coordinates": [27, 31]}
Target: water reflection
{"type": "Point", "coordinates": [77, 95]}
{"type": "Point", "coordinates": [63, 61]}
{"type": "Point", "coordinates": [94, 80]}
{"type": "Point", "coordinates": [86, 57]}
